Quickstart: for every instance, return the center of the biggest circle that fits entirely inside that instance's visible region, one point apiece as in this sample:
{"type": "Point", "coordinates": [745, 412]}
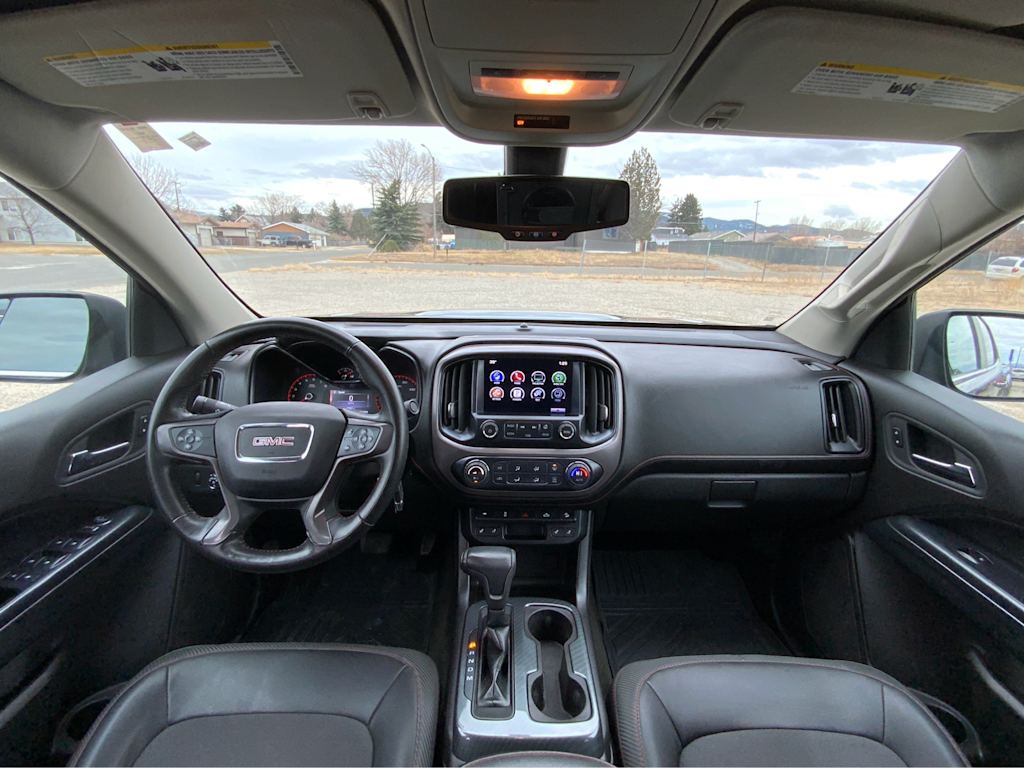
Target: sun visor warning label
{"type": "Point", "coordinates": [165, 63]}
{"type": "Point", "coordinates": [929, 89]}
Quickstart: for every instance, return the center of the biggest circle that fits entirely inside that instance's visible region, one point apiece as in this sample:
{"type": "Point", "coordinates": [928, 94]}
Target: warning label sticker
{"type": "Point", "coordinates": [164, 63]}
{"type": "Point", "coordinates": [930, 89]}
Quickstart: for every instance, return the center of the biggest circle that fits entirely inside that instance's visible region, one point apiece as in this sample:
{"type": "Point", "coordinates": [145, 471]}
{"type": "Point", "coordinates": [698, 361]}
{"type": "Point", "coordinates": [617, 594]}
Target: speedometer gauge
{"type": "Point", "coordinates": [308, 388]}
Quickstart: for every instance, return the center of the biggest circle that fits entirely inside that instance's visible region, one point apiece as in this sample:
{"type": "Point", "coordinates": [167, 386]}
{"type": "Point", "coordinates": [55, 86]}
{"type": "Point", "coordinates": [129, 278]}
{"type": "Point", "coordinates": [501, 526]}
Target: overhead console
{"type": "Point", "coordinates": [519, 418]}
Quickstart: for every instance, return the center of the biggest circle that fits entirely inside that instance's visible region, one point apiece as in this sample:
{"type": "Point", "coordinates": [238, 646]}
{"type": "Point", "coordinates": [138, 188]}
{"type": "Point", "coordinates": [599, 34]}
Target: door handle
{"type": "Point", "coordinates": [82, 461]}
{"type": "Point", "coordinates": [956, 471]}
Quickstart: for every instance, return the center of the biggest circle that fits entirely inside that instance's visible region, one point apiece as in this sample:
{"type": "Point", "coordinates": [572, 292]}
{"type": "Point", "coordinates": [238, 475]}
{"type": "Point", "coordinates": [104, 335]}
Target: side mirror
{"type": "Point", "coordinates": [980, 354]}
{"type": "Point", "coordinates": [59, 336]}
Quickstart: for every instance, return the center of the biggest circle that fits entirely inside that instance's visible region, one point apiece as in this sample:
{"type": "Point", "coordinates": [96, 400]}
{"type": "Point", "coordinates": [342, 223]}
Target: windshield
{"type": "Point", "coordinates": [346, 221]}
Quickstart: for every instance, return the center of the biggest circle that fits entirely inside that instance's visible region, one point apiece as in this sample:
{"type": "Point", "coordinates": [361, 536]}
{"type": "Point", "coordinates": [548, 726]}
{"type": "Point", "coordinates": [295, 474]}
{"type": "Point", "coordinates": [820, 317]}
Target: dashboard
{"type": "Point", "coordinates": [651, 426]}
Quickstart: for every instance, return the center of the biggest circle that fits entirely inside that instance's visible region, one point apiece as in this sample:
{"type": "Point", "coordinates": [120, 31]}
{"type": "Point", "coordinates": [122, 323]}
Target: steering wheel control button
{"type": "Point", "coordinates": [197, 440]}
{"type": "Point", "coordinates": [489, 429]}
{"type": "Point", "coordinates": [359, 440]}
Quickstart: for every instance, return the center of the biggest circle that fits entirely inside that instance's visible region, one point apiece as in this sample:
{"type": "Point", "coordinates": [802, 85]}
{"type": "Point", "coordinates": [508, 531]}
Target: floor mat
{"type": "Point", "coordinates": [355, 598]}
{"type": "Point", "coordinates": [675, 603]}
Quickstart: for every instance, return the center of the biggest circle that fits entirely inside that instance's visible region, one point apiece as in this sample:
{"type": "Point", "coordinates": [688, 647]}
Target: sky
{"type": "Point", "coordinates": [820, 179]}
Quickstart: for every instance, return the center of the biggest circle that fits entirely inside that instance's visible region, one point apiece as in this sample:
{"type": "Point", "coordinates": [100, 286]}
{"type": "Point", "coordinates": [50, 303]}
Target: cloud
{"type": "Point", "coordinates": [909, 187]}
{"type": "Point", "coordinates": [839, 212]}
{"type": "Point", "coordinates": [862, 185]}
{"type": "Point", "coordinates": [806, 175]}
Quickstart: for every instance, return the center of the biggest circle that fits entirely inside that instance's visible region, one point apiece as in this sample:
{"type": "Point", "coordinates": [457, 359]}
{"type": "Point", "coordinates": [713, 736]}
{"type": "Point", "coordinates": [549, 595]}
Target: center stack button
{"type": "Point", "coordinates": [476, 471]}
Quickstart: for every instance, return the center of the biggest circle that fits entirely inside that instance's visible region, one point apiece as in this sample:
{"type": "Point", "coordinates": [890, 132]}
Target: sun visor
{"type": "Point", "coordinates": [809, 72]}
{"type": "Point", "coordinates": [243, 60]}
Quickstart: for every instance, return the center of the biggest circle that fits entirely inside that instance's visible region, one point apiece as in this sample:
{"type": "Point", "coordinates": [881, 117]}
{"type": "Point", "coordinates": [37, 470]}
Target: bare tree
{"type": "Point", "coordinates": [30, 214]}
{"type": "Point", "coordinates": [397, 160]}
{"type": "Point", "coordinates": [834, 225]}
{"type": "Point", "coordinates": [276, 206]}
{"type": "Point", "coordinates": [801, 224]}
{"type": "Point", "coordinates": [866, 224]}
{"type": "Point", "coordinates": [161, 180]}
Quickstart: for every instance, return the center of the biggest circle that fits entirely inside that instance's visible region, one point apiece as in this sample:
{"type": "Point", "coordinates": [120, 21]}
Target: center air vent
{"type": "Point", "coordinates": [844, 416]}
{"type": "Point", "coordinates": [456, 396]}
{"type": "Point", "coordinates": [599, 399]}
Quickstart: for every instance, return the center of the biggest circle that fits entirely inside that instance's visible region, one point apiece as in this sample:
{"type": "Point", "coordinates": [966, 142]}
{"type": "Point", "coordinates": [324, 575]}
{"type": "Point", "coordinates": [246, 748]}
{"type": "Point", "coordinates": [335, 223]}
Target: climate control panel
{"type": "Point", "coordinates": [548, 474]}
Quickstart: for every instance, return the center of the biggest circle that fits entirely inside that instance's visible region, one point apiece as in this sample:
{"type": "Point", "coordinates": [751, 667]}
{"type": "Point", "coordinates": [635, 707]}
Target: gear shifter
{"type": "Point", "coordinates": [493, 568]}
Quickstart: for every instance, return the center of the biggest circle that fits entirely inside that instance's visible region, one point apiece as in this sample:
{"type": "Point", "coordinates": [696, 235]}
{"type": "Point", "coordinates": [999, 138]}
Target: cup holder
{"type": "Point", "coordinates": [555, 692]}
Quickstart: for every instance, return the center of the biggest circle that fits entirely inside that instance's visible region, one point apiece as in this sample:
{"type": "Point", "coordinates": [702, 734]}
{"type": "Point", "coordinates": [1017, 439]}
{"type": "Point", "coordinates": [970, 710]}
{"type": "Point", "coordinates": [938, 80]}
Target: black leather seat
{"type": "Point", "coordinates": [766, 710]}
{"type": "Point", "coordinates": [272, 704]}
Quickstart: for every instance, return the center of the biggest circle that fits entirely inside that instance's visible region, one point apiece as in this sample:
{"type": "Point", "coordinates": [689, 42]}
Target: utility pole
{"type": "Point", "coordinates": [433, 195]}
{"type": "Point", "coordinates": [757, 208]}
{"type": "Point", "coordinates": [177, 198]}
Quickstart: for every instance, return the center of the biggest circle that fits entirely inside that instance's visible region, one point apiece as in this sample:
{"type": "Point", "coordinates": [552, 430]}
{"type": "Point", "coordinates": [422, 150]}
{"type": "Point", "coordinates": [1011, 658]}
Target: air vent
{"type": "Point", "coordinates": [599, 399]}
{"type": "Point", "coordinates": [456, 395]}
{"type": "Point", "coordinates": [844, 416]}
{"type": "Point", "coordinates": [212, 385]}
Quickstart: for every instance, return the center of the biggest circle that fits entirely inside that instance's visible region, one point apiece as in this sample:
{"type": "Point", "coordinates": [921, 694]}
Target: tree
{"type": "Point", "coordinates": [359, 226]}
{"type": "Point", "coordinates": [641, 172]}
{"type": "Point", "coordinates": [161, 181]}
{"type": "Point", "coordinates": [396, 160]}
{"type": "Point", "coordinates": [30, 215]}
{"type": "Point", "coordinates": [687, 213]}
{"type": "Point", "coordinates": [801, 225]}
{"type": "Point", "coordinates": [236, 211]}
{"type": "Point", "coordinates": [834, 225]}
{"type": "Point", "coordinates": [276, 206]}
{"type": "Point", "coordinates": [336, 219]}
{"type": "Point", "coordinates": [399, 221]}
{"type": "Point", "coordinates": [295, 215]}
{"type": "Point", "coordinates": [866, 224]}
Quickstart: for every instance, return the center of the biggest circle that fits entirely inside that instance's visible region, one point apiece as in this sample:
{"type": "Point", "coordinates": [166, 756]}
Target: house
{"type": "Point", "coordinates": [722, 236]}
{"type": "Point", "coordinates": [236, 233]}
{"type": "Point", "coordinates": [291, 230]}
{"type": "Point", "coordinates": [20, 214]}
{"type": "Point", "coordinates": [663, 235]}
{"type": "Point", "coordinates": [197, 228]}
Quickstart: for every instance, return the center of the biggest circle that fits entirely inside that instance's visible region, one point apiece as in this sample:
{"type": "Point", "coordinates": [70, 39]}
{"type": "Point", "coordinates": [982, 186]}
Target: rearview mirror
{"type": "Point", "coordinates": [59, 336]}
{"type": "Point", "coordinates": [536, 208]}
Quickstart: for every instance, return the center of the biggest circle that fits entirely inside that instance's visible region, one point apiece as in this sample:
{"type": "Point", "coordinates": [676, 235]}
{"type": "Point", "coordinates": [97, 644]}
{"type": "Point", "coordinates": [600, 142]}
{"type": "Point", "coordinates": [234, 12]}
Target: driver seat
{"type": "Point", "coordinates": [272, 704]}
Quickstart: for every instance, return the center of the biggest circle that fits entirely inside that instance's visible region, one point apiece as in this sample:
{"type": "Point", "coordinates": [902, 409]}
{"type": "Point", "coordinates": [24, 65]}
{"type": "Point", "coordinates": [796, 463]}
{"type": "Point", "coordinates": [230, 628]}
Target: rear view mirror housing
{"type": "Point", "coordinates": [536, 208]}
{"type": "Point", "coordinates": [59, 337]}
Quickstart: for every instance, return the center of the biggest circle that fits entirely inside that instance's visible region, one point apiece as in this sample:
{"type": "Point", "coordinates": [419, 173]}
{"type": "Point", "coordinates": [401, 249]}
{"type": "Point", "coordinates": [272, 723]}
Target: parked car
{"type": "Point", "coordinates": [1006, 268]}
{"type": "Point", "coordinates": [272, 240]}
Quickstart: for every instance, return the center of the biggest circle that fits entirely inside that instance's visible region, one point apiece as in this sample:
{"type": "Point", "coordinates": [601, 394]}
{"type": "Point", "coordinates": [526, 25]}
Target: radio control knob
{"type": "Point", "coordinates": [566, 430]}
{"type": "Point", "coordinates": [476, 471]}
{"type": "Point", "coordinates": [489, 429]}
{"type": "Point", "coordinates": [578, 473]}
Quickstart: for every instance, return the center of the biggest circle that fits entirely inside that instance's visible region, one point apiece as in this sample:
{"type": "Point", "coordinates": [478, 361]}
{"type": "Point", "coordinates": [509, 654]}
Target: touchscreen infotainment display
{"type": "Point", "coordinates": [528, 386]}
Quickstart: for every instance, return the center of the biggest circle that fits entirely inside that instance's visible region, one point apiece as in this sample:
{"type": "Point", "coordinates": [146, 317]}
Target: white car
{"type": "Point", "coordinates": [1006, 268]}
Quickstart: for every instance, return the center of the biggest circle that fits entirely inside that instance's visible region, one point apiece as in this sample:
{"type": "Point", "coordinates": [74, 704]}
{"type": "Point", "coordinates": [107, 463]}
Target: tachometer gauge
{"type": "Point", "coordinates": [406, 386]}
{"type": "Point", "coordinates": [347, 374]}
{"type": "Point", "coordinates": [308, 388]}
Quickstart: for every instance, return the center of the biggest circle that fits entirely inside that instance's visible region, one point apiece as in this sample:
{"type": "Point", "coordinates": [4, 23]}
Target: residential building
{"type": "Point", "coordinates": [295, 230]}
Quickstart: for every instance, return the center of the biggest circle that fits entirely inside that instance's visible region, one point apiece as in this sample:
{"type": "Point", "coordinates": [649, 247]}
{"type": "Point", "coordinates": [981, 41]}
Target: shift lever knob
{"type": "Point", "coordinates": [494, 567]}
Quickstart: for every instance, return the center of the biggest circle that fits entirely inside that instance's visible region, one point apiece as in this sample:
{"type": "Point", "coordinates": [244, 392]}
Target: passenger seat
{"type": "Point", "coordinates": [773, 711]}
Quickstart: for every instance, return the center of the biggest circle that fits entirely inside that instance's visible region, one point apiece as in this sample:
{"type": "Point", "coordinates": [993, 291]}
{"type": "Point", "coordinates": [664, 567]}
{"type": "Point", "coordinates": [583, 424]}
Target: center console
{"type": "Point", "coordinates": [525, 676]}
{"type": "Point", "coordinates": [525, 420]}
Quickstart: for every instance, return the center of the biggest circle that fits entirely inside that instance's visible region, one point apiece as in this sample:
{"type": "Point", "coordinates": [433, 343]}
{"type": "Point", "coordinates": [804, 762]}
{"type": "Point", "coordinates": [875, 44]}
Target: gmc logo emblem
{"type": "Point", "coordinates": [273, 441]}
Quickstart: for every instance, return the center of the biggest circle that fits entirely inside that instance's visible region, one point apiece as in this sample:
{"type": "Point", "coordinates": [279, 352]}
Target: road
{"type": "Point", "coordinates": [76, 271]}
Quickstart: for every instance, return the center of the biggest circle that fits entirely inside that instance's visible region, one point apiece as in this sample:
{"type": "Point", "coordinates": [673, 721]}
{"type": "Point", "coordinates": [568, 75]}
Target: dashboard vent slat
{"type": "Point", "coordinates": [456, 395]}
{"type": "Point", "coordinates": [599, 399]}
{"type": "Point", "coordinates": [844, 416]}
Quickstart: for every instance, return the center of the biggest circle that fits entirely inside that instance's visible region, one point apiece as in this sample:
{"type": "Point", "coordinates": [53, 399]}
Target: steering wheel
{"type": "Point", "coordinates": [275, 456]}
